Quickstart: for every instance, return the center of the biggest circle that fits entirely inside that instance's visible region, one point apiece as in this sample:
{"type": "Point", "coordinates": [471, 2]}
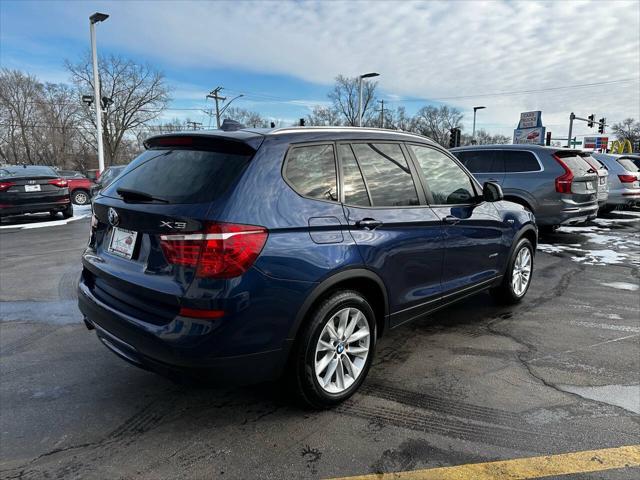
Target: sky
{"type": "Point", "coordinates": [283, 56]}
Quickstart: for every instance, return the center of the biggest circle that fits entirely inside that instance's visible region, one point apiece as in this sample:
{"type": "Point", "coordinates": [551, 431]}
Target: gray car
{"type": "Point", "coordinates": [556, 184]}
{"type": "Point", "coordinates": [603, 179]}
{"type": "Point", "coordinates": [624, 180]}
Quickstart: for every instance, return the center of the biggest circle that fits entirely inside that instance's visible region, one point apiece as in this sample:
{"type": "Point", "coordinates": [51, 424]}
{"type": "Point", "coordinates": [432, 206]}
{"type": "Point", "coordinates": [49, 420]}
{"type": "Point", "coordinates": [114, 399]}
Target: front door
{"type": "Point", "coordinates": [472, 228]}
{"type": "Point", "coordinates": [398, 236]}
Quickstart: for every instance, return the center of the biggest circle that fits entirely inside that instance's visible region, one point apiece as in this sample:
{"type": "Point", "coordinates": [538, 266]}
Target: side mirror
{"type": "Point", "coordinates": [492, 192]}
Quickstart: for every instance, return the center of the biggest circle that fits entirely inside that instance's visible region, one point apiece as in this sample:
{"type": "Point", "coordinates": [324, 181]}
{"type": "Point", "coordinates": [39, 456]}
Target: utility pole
{"type": "Point", "coordinates": [381, 113]}
{"type": "Point", "coordinates": [571, 119]}
{"type": "Point", "coordinates": [93, 19]}
{"type": "Point", "coordinates": [194, 125]}
{"type": "Point", "coordinates": [215, 94]}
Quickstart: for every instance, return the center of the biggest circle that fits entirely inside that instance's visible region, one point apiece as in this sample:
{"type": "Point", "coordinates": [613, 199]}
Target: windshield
{"type": "Point", "coordinates": [180, 176]}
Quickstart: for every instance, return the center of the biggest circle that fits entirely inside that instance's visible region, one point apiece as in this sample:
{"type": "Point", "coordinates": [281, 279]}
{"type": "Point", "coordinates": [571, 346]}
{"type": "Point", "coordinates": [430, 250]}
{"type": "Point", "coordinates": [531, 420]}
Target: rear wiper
{"type": "Point", "coordinates": [133, 195]}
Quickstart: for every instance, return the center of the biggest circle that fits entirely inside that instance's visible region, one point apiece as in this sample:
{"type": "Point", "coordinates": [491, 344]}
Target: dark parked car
{"type": "Point", "coordinates": [33, 189]}
{"type": "Point", "coordinates": [248, 254]}
{"type": "Point", "coordinates": [79, 186]}
{"type": "Point", "coordinates": [107, 176]}
{"type": "Point", "coordinates": [556, 184]}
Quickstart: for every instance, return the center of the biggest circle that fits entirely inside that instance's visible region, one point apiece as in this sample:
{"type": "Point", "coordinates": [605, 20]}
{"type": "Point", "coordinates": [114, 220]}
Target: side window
{"type": "Point", "coordinates": [355, 191]}
{"type": "Point", "coordinates": [449, 184]}
{"type": "Point", "coordinates": [387, 174]}
{"type": "Point", "coordinates": [519, 161]}
{"type": "Point", "coordinates": [311, 170]}
{"type": "Point", "coordinates": [479, 161]}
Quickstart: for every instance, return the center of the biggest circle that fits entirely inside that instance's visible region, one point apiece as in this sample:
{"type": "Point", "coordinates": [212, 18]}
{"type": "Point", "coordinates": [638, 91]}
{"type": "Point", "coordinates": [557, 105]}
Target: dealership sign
{"type": "Point", "coordinates": [530, 129]}
{"type": "Point", "coordinates": [596, 143]}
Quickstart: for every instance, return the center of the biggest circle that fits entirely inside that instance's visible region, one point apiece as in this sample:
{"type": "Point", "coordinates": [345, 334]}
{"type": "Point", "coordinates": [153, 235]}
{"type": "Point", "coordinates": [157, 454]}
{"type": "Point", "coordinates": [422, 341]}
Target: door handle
{"type": "Point", "coordinates": [450, 220]}
{"type": "Point", "coordinates": [368, 223]}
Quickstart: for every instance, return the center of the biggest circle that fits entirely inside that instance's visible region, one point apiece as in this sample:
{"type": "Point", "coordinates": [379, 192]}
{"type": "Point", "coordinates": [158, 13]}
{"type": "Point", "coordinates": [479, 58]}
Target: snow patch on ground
{"type": "Point", "coordinates": [79, 212]}
{"type": "Point", "coordinates": [622, 286]}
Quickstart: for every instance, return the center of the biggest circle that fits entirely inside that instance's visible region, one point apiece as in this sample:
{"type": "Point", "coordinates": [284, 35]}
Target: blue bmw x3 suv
{"type": "Point", "coordinates": [246, 254]}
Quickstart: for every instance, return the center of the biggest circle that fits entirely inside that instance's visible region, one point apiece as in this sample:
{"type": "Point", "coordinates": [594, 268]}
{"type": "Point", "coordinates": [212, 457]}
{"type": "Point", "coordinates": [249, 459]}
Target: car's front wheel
{"type": "Point", "coordinates": [335, 350]}
{"type": "Point", "coordinates": [68, 212]}
{"type": "Point", "coordinates": [517, 278]}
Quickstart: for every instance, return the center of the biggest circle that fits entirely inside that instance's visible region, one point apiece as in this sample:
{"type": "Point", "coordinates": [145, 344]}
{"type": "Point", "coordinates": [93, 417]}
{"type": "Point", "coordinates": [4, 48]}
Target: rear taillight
{"type": "Point", "coordinates": [6, 186]}
{"type": "Point", "coordinates": [564, 181]}
{"type": "Point", "coordinates": [223, 250]}
{"type": "Point", "coordinates": [627, 178]}
{"type": "Point", "coordinates": [59, 182]}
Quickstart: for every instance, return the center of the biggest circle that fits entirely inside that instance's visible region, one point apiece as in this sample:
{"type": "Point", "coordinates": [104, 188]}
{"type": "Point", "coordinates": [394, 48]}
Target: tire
{"type": "Point", "coordinates": [53, 214]}
{"type": "Point", "coordinates": [319, 387]}
{"type": "Point", "coordinates": [508, 293]}
{"type": "Point", "coordinates": [68, 212]}
{"type": "Point", "coordinates": [80, 197]}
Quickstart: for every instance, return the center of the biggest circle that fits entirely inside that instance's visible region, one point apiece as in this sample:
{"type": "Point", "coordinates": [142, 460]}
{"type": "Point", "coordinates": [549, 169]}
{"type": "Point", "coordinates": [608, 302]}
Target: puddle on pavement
{"type": "Point", "coordinates": [623, 396]}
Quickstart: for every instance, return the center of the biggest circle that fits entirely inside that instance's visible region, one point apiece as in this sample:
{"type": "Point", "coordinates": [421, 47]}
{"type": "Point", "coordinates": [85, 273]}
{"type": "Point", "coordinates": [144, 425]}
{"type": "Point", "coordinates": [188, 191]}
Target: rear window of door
{"type": "Point", "coordinates": [520, 161]}
{"type": "Point", "coordinates": [180, 176]}
{"type": "Point", "coordinates": [311, 171]}
{"type": "Point", "coordinates": [481, 161]}
{"type": "Point", "coordinates": [353, 186]}
{"type": "Point", "coordinates": [447, 182]}
{"type": "Point", "coordinates": [387, 174]}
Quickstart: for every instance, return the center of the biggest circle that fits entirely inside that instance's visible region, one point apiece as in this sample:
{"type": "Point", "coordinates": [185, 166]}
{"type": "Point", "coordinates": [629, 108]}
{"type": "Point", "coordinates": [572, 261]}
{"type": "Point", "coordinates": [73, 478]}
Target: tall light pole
{"type": "Point", "coordinates": [475, 109]}
{"type": "Point", "coordinates": [366, 75]}
{"type": "Point", "coordinates": [93, 19]}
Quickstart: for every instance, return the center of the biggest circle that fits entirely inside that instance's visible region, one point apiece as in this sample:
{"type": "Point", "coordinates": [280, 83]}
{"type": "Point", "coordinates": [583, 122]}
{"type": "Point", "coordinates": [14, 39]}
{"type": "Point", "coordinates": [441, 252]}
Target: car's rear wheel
{"type": "Point", "coordinates": [80, 197]}
{"type": "Point", "coordinates": [68, 212]}
{"type": "Point", "coordinates": [517, 279]}
{"type": "Point", "coordinates": [335, 350]}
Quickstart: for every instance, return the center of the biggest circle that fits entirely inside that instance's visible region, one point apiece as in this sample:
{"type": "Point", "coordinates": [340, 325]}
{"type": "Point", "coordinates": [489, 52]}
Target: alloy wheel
{"type": "Point", "coordinates": [521, 274]}
{"type": "Point", "coordinates": [342, 350]}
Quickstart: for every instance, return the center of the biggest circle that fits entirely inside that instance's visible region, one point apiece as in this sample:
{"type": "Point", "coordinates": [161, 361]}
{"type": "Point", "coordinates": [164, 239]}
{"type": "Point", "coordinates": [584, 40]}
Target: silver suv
{"type": "Point", "coordinates": [556, 184]}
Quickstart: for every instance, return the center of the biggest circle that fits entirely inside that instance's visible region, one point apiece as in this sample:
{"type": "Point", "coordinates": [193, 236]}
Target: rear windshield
{"type": "Point", "coordinates": [28, 171]}
{"type": "Point", "coordinates": [180, 175]}
{"type": "Point", "coordinates": [628, 164]}
{"type": "Point", "coordinates": [576, 163]}
{"type": "Point", "coordinates": [594, 161]}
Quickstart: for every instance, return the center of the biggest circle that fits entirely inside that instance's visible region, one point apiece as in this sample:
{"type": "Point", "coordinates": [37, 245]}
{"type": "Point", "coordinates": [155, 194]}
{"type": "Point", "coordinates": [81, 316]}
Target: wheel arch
{"type": "Point", "coordinates": [529, 232]}
{"type": "Point", "coordinates": [364, 281]}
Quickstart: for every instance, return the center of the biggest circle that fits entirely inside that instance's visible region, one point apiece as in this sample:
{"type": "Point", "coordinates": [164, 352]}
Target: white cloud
{"type": "Point", "coordinates": [422, 49]}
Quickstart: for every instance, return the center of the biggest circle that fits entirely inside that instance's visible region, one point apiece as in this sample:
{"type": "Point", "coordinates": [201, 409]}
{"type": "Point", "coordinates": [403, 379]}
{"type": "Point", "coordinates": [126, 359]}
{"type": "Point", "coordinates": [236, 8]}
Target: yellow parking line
{"type": "Point", "coordinates": [523, 468]}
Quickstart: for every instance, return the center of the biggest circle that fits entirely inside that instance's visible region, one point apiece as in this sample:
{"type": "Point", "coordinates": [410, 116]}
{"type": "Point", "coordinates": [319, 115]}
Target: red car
{"type": "Point", "coordinates": [79, 186]}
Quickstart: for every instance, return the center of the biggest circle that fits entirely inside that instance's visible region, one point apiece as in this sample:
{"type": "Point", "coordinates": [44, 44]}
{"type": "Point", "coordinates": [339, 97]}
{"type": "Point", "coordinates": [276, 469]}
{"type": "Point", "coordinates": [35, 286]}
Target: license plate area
{"type": "Point", "coordinates": [589, 185]}
{"type": "Point", "coordinates": [603, 180]}
{"type": "Point", "coordinates": [32, 188]}
{"type": "Point", "coordinates": [123, 242]}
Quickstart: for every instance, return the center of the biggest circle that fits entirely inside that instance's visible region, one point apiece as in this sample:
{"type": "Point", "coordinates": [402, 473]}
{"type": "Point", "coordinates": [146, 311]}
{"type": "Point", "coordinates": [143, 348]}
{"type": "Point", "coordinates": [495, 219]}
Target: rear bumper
{"type": "Point", "coordinates": [48, 206]}
{"type": "Point", "coordinates": [626, 196]}
{"type": "Point", "coordinates": [182, 346]}
{"type": "Point", "coordinates": [571, 215]}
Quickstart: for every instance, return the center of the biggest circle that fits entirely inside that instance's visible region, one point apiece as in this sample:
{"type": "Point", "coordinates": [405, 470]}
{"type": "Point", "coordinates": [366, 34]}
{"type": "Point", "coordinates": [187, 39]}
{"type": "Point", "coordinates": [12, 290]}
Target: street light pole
{"type": "Point", "coordinates": [360, 79]}
{"type": "Point", "coordinates": [475, 109]}
{"type": "Point", "coordinates": [93, 19]}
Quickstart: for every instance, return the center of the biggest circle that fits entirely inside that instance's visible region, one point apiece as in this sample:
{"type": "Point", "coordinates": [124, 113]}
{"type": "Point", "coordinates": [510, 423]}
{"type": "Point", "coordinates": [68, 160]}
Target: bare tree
{"type": "Point", "coordinates": [345, 98]}
{"type": "Point", "coordinates": [19, 97]}
{"type": "Point", "coordinates": [628, 129]}
{"type": "Point", "coordinates": [485, 138]}
{"type": "Point", "coordinates": [138, 94]}
{"type": "Point", "coordinates": [246, 117]}
{"type": "Point", "coordinates": [323, 116]}
{"type": "Point", "coordinates": [436, 122]}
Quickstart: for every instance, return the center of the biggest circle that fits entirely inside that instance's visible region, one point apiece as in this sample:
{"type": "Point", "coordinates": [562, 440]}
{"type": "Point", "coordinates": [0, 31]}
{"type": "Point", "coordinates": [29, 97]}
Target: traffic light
{"type": "Point", "coordinates": [601, 126]}
{"type": "Point", "coordinates": [458, 133]}
{"type": "Point", "coordinates": [548, 140]}
{"type": "Point", "coordinates": [302, 122]}
{"type": "Point", "coordinates": [454, 137]}
{"type": "Point", "coordinates": [591, 118]}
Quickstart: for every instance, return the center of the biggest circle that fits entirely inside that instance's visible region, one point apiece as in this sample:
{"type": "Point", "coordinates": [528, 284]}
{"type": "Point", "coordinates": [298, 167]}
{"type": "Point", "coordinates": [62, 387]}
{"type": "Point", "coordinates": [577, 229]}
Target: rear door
{"type": "Point", "coordinates": [485, 165]}
{"type": "Point", "coordinates": [168, 190]}
{"type": "Point", "coordinates": [473, 228]}
{"type": "Point", "coordinates": [398, 235]}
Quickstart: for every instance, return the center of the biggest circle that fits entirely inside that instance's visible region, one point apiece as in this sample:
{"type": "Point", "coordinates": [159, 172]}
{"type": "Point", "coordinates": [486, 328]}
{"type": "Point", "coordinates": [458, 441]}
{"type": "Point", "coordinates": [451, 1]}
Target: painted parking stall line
{"type": "Point", "coordinates": [524, 468]}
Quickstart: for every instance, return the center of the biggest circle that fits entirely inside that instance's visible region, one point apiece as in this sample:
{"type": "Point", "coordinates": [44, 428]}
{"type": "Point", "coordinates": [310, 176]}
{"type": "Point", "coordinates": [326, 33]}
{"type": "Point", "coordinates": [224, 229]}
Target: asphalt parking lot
{"type": "Point", "coordinates": [474, 383]}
